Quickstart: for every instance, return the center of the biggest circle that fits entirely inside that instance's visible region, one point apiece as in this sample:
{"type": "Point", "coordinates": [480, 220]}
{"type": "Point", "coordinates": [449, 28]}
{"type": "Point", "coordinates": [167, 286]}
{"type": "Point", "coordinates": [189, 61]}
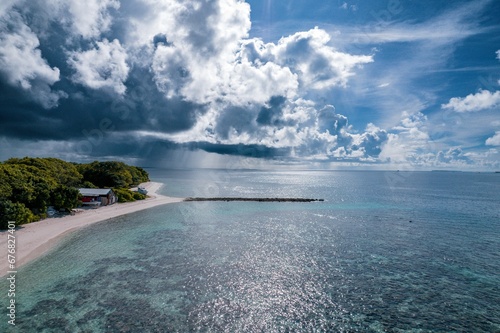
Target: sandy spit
{"type": "Point", "coordinates": [36, 239]}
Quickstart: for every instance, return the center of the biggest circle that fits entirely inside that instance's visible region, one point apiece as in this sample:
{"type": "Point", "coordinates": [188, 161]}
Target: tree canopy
{"type": "Point", "coordinates": [112, 174]}
{"type": "Point", "coordinates": [63, 172]}
{"type": "Point", "coordinates": [29, 185]}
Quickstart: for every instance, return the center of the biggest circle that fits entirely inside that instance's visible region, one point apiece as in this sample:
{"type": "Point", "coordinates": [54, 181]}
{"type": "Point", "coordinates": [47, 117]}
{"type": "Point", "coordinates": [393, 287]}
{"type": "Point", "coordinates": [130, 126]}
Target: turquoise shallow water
{"type": "Point", "coordinates": [386, 252]}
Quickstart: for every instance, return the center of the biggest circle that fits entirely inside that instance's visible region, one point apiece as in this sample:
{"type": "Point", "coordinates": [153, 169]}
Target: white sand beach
{"type": "Point", "coordinates": [35, 239]}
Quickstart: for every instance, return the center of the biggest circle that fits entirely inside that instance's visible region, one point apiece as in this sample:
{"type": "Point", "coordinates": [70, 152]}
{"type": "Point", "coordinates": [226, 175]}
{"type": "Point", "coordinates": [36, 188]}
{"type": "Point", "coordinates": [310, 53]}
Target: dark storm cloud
{"type": "Point", "coordinates": [81, 110]}
{"type": "Point", "coordinates": [142, 108]}
{"type": "Point", "coordinates": [258, 151]}
{"type": "Point", "coordinates": [151, 150]}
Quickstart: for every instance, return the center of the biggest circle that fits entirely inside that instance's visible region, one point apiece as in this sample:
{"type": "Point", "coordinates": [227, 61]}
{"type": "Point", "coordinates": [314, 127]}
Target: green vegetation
{"type": "Point", "coordinates": [112, 174]}
{"type": "Point", "coordinates": [125, 195]}
{"type": "Point", "coordinates": [62, 172]}
{"type": "Point", "coordinates": [29, 185]}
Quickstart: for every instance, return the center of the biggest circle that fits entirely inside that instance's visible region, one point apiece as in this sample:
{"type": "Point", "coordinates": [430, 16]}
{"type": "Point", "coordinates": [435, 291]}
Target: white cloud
{"type": "Point", "coordinates": [482, 100]}
{"type": "Point", "coordinates": [447, 28]}
{"type": "Point", "coordinates": [21, 60]}
{"type": "Point", "coordinates": [407, 140]}
{"type": "Point", "coordinates": [318, 65]}
{"type": "Point", "coordinates": [494, 140]}
{"type": "Point", "coordinates": [255, 92]}
{"type": "Point", "coordinates": [462, 124]}
{"type": "Point", "coordinates": [170, 69]}
{"type": "Point", "coordinates": [411, 33]}
{"type": "Point", "coordinates": [452, 156]}
{"type": "Point", "coordinates": [208, 57]}
{"type": "Point", "coordinates": [87, 19]}
{"type": "Point", "coordinates": [295, 65]}
{"type": "Point", "coordinates": [102, 67]}
{"type": "Point", "coordinates": [5, 6]}
{"type": "Point", "coordinates": [257, 84]}
{"type": "Point", "coordinates": [346, 6]}
{"type": "Point", "coordinates": [22, 63]}
{"type": "Point", "coordinates": [410, 146]}
{"type": "Point", "coordinates": [204, 36]}
{"type": "Point", "coordinates": [91, 17]}
{"type": "Point", "coordinates": [498, 54]}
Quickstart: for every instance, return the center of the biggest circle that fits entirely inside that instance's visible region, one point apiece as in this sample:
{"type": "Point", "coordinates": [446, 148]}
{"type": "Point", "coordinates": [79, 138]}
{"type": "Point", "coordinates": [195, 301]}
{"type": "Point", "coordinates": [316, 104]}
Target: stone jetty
{"type": "Point", "coordinates": [254, 199]}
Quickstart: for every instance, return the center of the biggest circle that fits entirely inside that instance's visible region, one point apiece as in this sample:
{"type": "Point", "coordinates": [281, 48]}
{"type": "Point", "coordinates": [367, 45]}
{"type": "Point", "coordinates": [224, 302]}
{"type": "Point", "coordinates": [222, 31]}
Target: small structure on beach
{"type": "Point", "coordinates": [98, 196]}
{"type": "Point", "coordinates": [142, 190]}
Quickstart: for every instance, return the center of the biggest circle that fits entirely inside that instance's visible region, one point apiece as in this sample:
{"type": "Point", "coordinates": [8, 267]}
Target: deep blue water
{"type": "Point", "coordinates": [386, 252]}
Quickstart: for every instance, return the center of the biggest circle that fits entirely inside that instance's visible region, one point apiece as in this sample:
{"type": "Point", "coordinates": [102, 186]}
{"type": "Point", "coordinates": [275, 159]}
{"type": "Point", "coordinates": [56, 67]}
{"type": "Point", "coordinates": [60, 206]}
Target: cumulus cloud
{"type": "Point", "coordinates": [249, 70]}
{"type": "Point", "coordinates": [452, 156]}
{"type": "Point", "coordinates": [498, 54]}
{"type": "Point", "coordinates": [482, 100]}
{"type": "Point", "coordinates": [5, 6]}
{"type": "Point", "coordinates": [407, 140]}
{"type": "Point", "coordinates": [21, 58]}
{"type": "Point", "coordinates": [203, 36]}
{"type": "Point", "coordinates": [296, 126]}
{"type": "Point", "coordinates": [494, 140]}
{"type": "Point", "coordinates": [104, 66]}
{"type": "Point", "coordinates": [309, 56]}
{"type": "Point", "coordinates": [79, 19]}
{"type": "Point", "coordinates": [255, 92]}
{"type": "Point", "coordinates": [91, 17]}
{"type": "Point", "coordinates": [409, 146]}
{"type": "Point", "coordinates": [330, 121]}
{"type": "Point", "coordinates": [22, 63]}
{"type": "Point", "coordinates": [186, 73]}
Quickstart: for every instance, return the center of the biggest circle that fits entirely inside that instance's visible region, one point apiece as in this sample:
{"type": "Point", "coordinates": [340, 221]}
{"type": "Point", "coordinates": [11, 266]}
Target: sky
{"type": "Point", "coordinates": [329, 84]}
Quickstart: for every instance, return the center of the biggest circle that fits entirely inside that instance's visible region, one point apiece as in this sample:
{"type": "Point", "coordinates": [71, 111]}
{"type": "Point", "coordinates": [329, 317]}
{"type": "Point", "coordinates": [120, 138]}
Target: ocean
{"type": "Point", "coordinates": [385, 252]}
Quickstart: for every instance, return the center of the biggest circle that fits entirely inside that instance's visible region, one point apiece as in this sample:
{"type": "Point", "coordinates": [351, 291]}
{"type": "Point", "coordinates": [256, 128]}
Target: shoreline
{"type": "Point", "coordinates": [35, 239]}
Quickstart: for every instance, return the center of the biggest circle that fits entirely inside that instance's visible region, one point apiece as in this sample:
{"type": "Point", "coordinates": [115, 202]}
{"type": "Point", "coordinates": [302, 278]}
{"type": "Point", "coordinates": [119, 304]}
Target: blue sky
{"type": "Point", "coordinates": [393, 84]}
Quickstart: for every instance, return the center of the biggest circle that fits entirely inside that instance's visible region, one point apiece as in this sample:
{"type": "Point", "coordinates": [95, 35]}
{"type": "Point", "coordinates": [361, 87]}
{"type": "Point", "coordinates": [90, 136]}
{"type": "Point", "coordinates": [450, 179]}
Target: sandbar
{"type": "Point", "coordinates": [35, 239]}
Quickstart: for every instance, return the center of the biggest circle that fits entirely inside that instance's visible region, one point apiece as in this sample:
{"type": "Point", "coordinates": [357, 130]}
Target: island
{"type": "Point", "coordinates": [42, 197]}
{"type": "Point", "coordinates": [32, 189]}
